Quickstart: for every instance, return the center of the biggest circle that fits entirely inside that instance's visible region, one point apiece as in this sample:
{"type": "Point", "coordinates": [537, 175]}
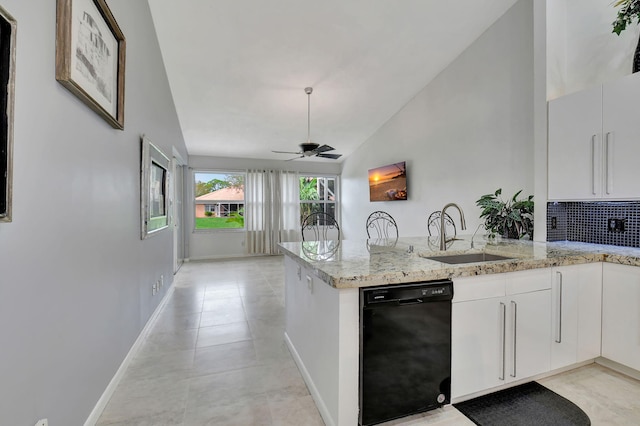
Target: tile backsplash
{"type": "Point", "coordinates": [595, 222]}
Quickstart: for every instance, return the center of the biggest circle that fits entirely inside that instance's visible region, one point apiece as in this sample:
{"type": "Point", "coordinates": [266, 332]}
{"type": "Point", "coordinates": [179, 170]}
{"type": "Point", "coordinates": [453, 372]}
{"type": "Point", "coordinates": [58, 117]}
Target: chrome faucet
{"type": "Point", "coordinates": [474, 234]}
{"type": "Point", "coordinates": [443, 235]}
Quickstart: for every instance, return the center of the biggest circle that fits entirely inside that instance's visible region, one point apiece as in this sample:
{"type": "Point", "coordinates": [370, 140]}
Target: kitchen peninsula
{"type": "Point", "coordinates": [559, 285]}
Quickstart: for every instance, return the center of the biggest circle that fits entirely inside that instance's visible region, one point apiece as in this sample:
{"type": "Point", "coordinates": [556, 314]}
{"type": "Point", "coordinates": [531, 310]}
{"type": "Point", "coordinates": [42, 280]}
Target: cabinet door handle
{"type": "Point", "coordinates": [609, 162]}
{"type": "Point", "coordinates": [514, 320]}
{"type": "Point", "coordinates": [559, 308]}
{"type": "Point", "coordinates": [594, 181]}
{"type": "Point", "coordinates": [503, 331]}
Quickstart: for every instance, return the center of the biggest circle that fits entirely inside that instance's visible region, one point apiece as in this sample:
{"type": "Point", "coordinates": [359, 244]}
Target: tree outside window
{"type": "Point", "coordinates": [317, 194]}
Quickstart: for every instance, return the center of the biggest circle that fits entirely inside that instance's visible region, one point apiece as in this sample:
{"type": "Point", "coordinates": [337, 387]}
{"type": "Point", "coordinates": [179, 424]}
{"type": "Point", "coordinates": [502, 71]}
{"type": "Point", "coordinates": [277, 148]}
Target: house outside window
{"type": "Point", "coordinates": [318, 194]}
{"type": "Point", "coordinates": [219, 200]}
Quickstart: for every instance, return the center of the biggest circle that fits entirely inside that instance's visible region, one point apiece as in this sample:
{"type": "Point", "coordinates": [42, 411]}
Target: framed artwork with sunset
{"type": "Point", "coordinates": [388, 183]}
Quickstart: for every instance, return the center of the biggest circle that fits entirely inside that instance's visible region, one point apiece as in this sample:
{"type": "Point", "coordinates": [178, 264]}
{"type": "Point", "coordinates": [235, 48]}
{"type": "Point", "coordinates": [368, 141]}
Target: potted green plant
{"type": "Point", "coordinates": [511, 219]}
{"type": "Point", "coordinates": [629, 10]}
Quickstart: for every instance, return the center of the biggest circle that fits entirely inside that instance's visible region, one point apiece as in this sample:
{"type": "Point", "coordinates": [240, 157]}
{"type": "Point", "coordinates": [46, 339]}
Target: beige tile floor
{"type": "Point", "coordinates": [216, 356]}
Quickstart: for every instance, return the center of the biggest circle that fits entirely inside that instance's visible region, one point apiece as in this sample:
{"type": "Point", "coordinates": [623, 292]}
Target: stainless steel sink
{"type": "Point", "coordinates": [455, 259]}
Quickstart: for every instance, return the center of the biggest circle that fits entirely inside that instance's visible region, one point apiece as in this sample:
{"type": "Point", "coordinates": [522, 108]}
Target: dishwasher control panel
{"type": "Point", "coordinates": [436, 291]}
{"type": "Point", "coordinates": [407, 292]}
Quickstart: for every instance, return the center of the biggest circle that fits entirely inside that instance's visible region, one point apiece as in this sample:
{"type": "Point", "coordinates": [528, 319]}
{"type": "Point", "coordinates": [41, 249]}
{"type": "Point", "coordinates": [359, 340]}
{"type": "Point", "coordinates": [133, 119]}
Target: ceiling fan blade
{"type": "Point", "coordinates": [324, 148]}
{"type": "Point", "coordinates": [332, 156]}
{"type": "Point", "coordinates": [286, 152]}
{"type": "Point", "coordinates": [294, 158]}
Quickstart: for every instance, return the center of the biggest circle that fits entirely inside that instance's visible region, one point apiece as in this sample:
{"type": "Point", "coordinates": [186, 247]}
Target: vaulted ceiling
{"type": "Point", "coordinates": [238, 68]}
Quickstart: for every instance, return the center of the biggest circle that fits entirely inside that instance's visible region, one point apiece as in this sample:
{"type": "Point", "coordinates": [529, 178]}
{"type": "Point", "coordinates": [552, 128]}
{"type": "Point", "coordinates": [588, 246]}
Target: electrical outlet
{"type": "Point", "coordinates": [161, 281]}
{"type": "Point", "coordinates": [554, 222]}
{"type": "Point", "coordinates": [42, 422]}
{"type": "Point", "coordinates": [616, 225]}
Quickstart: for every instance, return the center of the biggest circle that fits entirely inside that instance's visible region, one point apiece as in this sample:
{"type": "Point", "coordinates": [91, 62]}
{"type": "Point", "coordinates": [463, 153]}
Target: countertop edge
{"type": "Point", "coordinates": [486, 268]}
{"type": "Point", "coordinates": [572, 257]}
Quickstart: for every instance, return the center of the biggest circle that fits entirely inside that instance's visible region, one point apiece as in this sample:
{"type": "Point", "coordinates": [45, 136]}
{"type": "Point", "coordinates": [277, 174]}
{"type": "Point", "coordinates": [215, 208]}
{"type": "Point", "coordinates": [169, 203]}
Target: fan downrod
{"type": "Point", "coordinates": [311, 149]}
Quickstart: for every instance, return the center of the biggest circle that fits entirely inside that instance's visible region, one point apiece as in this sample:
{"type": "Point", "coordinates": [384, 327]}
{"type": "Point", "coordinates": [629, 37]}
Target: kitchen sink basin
{"type": "Point", "coordinates": [455, 259]}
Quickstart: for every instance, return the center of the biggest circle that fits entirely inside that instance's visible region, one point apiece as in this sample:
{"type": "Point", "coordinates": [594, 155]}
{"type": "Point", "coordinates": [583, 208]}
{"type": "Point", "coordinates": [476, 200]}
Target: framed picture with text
{"type": "Point", "coordinates": [90, 56]}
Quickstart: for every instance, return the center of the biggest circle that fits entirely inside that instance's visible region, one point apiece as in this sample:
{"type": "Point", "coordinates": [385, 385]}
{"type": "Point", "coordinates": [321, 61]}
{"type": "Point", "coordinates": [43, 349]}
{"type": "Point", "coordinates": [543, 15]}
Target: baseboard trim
{"type": "Point", "coordinates": [457, 399]}
{"type": "Point", "coordinates": [115, 380]}
{"type": "Point", "coordinates": [620, 368]}
{"type": "Point", "coordinates": [566, 368]}
{"type": "Point", "coordinates": [322, 408]}
{"type": "Point", "coordinates": [228, 257]}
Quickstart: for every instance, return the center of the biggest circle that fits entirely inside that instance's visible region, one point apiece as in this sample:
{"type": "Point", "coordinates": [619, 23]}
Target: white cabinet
{"type": "Point", "coordinates": [477, 334]}
{"type": "Point", "coordinates": [575, 126]}
{"type": "Point", "coordinates": [529, 316]}
{"type": "Point", "coordinates": [621, 314]}
{"type": "Point", "coordinates": [501, 329]}
{"type": "Point", "coordinates": [576, 298]}
{"type": "Point", "coordinates": [593, 147]}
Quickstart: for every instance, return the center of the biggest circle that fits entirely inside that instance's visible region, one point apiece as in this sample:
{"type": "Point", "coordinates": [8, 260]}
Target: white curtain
{"type": "Point", "coordinates": [272, 209]}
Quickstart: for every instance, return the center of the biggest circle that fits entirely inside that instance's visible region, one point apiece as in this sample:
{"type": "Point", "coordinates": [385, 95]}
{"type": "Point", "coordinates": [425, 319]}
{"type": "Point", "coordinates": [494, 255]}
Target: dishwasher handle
{"type": "Point", "coordinates": [394, 303]}
{"type": "Point", "coordinates": [410, 302]}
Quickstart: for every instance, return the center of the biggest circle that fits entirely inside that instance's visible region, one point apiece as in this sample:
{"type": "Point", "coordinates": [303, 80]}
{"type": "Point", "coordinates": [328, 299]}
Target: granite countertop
{"type": "Point", "coordinates": [364, 263]}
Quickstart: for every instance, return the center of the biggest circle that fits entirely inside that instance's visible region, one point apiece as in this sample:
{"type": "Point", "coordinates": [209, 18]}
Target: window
{"type": "Point", "coordinates": [154, 181]}
{"type": "Point", "coordinates": [219, 200]}
{"type": "Point", "coordinates": [317, 194]}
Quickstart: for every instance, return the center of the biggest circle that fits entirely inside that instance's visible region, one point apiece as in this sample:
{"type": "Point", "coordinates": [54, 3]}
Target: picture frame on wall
{"type": "Point", "coordinates": [90, 56]}
{"type": "Point", "coordinates": [154, 189]}
{"type": "Point", "coordinates": [8, 28]}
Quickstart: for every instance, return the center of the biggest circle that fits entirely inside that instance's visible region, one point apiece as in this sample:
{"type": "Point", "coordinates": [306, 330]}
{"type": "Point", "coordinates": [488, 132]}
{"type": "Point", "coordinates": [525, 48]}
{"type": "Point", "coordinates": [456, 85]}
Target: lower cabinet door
{"type": "Point", "coordinates": [564, 316]}
{"type": "Point", "coordinates": [529, 334]}
{"type": "Point", "coordinates": [499, 340]}
{"type": "Point", "coordinates": [590, 312]}
{"type": "Point", "coordinates": [621, 314]}
{"type": "Point", "coordinates": [477, 345]}
{"type": "Point", "coordinates": [576, 314]}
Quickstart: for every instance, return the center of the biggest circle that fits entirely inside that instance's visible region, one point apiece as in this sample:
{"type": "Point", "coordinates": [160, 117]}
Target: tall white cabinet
{"type": "Point", "coordinates": [593, 142]}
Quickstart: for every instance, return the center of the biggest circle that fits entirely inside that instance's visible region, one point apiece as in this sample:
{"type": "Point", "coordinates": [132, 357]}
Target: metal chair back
{"type": "Point", "coordinates": [319, 226]}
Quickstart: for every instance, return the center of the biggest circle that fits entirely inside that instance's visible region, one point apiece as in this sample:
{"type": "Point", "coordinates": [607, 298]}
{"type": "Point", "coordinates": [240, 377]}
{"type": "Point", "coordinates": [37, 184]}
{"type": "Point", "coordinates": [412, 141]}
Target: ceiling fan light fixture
{"type": "Point", "coordinates": [308, 146]}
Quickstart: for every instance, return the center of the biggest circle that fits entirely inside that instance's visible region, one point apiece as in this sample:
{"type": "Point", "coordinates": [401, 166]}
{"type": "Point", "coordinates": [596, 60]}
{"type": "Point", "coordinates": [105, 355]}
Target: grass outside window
{"type": "Point", "coordinates": [216, 223]}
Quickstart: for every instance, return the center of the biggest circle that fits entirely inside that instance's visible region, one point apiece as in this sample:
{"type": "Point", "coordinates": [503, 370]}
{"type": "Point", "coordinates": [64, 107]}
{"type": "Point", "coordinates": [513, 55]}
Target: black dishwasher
{"type": "Point", "coordinates": [405, 350]}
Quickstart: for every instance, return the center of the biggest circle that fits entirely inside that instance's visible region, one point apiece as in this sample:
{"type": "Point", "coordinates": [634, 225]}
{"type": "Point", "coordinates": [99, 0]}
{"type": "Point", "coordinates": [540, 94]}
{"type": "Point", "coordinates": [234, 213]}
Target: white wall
{"type": "Point", "coordinates": [467, 133]}
{"type": "Point", "coordinates": [75, 278]}
{"type": "Point", "coordinates": [582, 50]}
{"type": "Point", "coordinates": [540, 118]}
{"type": "Point", "coordinates": [230, 243]}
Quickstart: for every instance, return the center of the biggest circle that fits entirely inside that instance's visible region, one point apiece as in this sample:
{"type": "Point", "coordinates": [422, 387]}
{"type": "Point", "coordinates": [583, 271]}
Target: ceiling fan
{"type": "Point", "coordinates": [311, 149]}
